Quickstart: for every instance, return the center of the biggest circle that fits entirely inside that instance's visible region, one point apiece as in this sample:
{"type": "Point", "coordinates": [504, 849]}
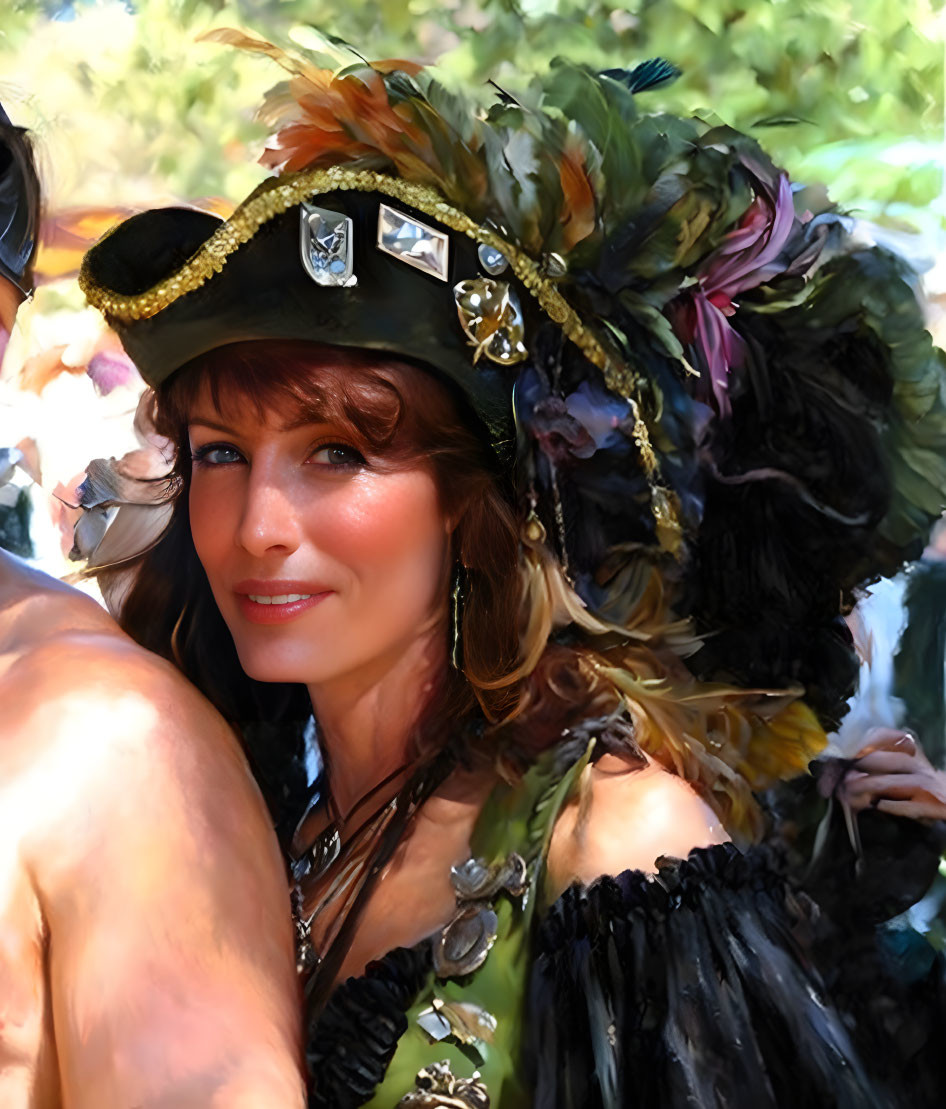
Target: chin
{"type": "Point", "coordinates": [285, 663]}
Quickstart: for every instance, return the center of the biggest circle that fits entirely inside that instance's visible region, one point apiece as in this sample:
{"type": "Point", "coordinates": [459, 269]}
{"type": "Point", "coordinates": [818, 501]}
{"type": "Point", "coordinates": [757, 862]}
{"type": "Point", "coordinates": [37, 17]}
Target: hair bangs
{"type": "Point", "coordinates": [300, 382]}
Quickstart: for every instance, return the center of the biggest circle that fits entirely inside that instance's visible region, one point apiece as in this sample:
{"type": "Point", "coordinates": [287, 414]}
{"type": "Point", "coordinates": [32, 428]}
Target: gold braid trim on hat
{"type": "Point", "coordinates": [277, 195]}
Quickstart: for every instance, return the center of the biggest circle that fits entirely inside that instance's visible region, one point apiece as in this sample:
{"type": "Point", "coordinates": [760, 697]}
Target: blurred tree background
{"type": "Point", "coordinates": [129, 110]}
{"type": "Point", "coordinates": [129, 105]}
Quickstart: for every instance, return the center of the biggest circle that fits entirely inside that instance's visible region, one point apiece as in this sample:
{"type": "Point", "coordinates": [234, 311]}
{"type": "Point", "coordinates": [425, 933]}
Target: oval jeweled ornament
{"type": "Point", "coordinates": [463, 945]}
{"type": "Point", "coordinates": [492, 260]}
{"type": "Point", "coordinates": [491, 318]}
{"type": "Point", "coordinates": [475, 881]}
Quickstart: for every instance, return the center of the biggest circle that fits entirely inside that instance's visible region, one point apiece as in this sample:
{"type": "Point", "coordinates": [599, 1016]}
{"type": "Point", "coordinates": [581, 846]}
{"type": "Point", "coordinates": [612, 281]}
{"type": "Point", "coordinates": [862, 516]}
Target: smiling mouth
{"type": "Point", "coordinates": [282, 599]}
{"type": "Point", "coordinates": [277, 608]}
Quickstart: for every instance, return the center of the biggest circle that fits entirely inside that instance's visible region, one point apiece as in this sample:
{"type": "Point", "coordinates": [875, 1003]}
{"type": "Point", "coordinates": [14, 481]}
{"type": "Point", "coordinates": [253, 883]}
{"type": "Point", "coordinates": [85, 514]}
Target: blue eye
{"type": "Point", "coordinates": [337, 455]}
{"type": "Point", "coordinates": [215, 454]}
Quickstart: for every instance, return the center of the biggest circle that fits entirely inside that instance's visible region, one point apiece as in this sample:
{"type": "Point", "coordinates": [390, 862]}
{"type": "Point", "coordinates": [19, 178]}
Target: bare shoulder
{"type": "Point", "coordinates": [94, 690]}
{"type": "Point", "coordinates": [63, 662]}
{"type": "Point", "coordinates": [127, 802]}
{"type": "Point", "coordinates": [97, 733]}
{"type": "Point", "coordinates": [100, 738]}
{"type": "Point", "coordinates": [625, 818]}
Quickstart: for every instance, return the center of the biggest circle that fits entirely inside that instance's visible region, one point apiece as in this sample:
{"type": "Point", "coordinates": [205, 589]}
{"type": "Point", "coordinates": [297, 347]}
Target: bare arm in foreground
{"type": "Point", "coordinates": [145, 943]}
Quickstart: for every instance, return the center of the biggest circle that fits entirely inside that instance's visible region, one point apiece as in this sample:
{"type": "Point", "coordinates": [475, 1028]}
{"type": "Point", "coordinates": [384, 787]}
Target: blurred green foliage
{"type": "Point", "coordinates": [848, 93]}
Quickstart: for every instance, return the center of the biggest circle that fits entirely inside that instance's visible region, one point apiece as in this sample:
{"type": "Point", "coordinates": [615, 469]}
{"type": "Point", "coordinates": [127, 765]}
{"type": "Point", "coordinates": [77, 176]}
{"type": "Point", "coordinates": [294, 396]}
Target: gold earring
{"type": "Point", "coordinates": [457, 597]}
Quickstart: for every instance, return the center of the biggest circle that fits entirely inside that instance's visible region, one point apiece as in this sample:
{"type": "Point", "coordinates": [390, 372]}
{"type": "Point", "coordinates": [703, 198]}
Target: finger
{"type": "Point", "coordinates": [888, 739]}
{"type": "Point", "coordinates": [886, 785]}
{"type": "Point", "coordinates": [915, 810]}
{"type": "Point", "coordinates": [887, 762]}
{"type": "Point", "coordinates": [856, 799]}
{"type": "Point", "coordinates": [882, 734]}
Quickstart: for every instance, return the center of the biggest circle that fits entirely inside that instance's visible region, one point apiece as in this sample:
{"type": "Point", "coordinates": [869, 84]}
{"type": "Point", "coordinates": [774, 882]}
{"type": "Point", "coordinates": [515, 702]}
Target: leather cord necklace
{"type": "Point", "coordinates": [353, 868]}
{"type": "Point", "coordinates": [312, 862]}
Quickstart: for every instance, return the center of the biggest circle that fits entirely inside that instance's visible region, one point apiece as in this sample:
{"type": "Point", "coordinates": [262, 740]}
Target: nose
{"type": "Point", "coordinates": [269, 523]}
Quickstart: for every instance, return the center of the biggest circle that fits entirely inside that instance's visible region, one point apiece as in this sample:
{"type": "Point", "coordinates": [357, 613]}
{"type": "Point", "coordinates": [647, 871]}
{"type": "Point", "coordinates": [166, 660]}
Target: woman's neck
{"type": "Point", "coordinates": [366, 718]}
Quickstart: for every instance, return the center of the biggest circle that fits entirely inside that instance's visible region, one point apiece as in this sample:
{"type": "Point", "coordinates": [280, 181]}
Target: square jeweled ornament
{"type": "Point", "coordinates": [413, 242]}
{"type": "Point", "coordinates": [327, 246]}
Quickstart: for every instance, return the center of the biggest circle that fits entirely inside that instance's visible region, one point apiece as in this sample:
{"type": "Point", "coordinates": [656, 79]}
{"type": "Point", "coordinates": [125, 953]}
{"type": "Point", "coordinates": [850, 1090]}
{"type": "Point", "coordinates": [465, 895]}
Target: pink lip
{"type": "Point", "coordinates": [258, 613]}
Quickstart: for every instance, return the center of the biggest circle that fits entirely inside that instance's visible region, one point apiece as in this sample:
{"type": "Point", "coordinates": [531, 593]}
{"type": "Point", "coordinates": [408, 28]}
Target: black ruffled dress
{"type": "Point", "coordinates": [716, 984]}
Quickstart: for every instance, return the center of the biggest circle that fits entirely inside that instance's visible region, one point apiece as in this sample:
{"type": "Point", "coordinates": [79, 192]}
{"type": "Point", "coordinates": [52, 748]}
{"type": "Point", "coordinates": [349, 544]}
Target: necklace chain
{"type": "Point", "coordinates": [349, 868]}
{"type": "Point", "coordinates": [325, 853]}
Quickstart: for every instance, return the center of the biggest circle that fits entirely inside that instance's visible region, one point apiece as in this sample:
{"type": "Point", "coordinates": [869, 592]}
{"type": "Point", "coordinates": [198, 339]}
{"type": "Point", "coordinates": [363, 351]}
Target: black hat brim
{"type": "Point", "coordinates": [264, 292]}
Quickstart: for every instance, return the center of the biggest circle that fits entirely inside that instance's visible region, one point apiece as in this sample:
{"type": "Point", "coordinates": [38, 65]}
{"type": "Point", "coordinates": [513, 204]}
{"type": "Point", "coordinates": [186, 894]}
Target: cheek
{"type": "Point", "coordinates": [211, 523]}
{"type": "Point", "coordinates": [393, 538]}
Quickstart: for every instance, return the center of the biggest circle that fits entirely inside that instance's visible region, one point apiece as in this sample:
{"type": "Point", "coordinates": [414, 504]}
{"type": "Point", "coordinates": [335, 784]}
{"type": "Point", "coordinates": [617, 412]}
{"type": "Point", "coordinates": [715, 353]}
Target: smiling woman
{"type": "Point", "coordinates": [333, 457]}
{"type": "Point", "coordinates": [362, 536]}
{"type": "Point", "coordinates": [468, 458]}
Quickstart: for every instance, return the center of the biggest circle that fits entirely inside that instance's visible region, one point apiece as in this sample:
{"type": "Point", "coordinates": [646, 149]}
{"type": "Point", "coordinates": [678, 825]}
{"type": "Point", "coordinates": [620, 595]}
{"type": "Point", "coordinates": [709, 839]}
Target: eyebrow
{"type": "Point", "coordinates": [228, 430]}
{"type": "Point", "coordinates": [212, 424]}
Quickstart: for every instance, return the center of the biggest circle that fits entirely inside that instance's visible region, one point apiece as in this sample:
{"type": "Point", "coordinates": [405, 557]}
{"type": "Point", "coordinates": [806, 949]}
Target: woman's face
{"type": "Point", "coordinates": [326, 561]}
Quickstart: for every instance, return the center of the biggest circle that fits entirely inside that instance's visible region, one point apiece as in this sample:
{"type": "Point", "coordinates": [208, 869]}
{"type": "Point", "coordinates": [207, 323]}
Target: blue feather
{"type": "Point", "coordinates": [648, 75]}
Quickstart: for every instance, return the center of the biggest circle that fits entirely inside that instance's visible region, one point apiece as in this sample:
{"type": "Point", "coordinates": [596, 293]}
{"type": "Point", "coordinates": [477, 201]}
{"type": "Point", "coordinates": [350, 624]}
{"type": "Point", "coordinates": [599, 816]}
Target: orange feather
{"type": "Point", "coordinates": [578, 198]}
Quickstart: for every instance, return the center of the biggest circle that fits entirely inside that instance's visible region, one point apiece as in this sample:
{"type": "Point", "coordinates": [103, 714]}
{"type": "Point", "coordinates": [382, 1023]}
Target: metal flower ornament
{"type": "Point", "coordinates": [491, 317]}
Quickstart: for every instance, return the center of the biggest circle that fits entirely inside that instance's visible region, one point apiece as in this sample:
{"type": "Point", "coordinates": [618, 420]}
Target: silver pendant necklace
{"type": "Point", "coordinates": [320, 856]}
{"type": "Point", "coordinates": [326, 852]}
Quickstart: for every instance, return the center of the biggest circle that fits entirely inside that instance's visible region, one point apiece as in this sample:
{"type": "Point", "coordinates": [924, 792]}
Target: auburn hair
{"type": "Point", "coordinates": [405, 415]}
{"type": "Point", "coordinates": [537, 662]}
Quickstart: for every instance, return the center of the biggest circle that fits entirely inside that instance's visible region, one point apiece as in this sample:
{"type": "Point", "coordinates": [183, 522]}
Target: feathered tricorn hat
{"type": "Point", "coordinates": [692, 360]}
